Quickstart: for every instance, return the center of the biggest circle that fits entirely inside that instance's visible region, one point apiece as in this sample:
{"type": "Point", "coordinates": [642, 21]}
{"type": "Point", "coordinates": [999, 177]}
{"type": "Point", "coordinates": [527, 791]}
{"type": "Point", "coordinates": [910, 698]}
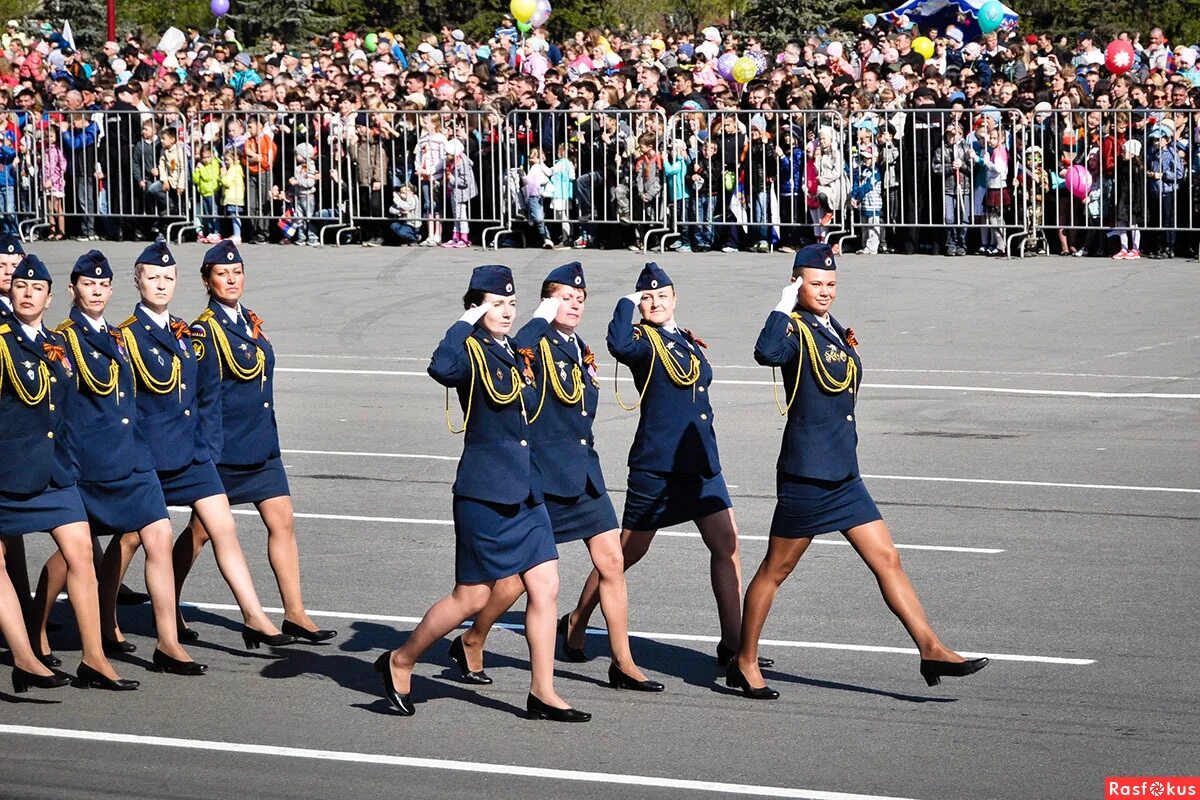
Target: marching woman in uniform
{"type": "Point", "coordinates": [117, 481]}
{"type": "Point", "coordinates": [576, 498]}
{"type": "Point", "coordinates": [160, 348]}
{"type": "Point", "coordinates": [674, 468]}
{"type": "Point", "coordinates": [500, 523]}
{"type": "Point", "coordinates": [38, 474]}
{"type": "Point", "coordinates": [818, 484]}
{"type": "Point", "coordinates": [237, 416]}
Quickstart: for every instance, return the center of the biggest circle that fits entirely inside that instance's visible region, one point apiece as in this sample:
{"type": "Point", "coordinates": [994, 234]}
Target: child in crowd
{"type": "Point", "coordinates": [54, 181]}
{"type": "Point", "coordinates": [648, 184]}
{"type": "Point", "coordinates": [534, 185]}
{"type": "Point", "coordinates": [1035, 183]}
{"type": "Point", "coordinates": [431, 166]}
{"type": "Point", "coordinates": [865, 193]}
{"type": "Point", "coordinates": [460, 177]}
{"type": "Point", "coordinates": [705, 179]}
{"type": "Point", "coordinates": [953, 160]}
{"type": "Point", "coordinates": [1130, 188]}
{"type": "Point", "coordinates": [206, 176]}
{"type": "Point", "coordinates": [994, 158]}
{"type": "Point", "coordinates": [675, 169]}
{"type": "Point", "coordinates": [144, 169]}
{"type": "Point", "coordinates": [404, 213]}
{"type": "Point", "coordinates": [1164, 168]}
{"type": "Point", "coordinates": [172, 174]}
{"type": "Point", "coordinates": [233, 192]}
{"type": "Point", "coordinates": [304, 195]}
{"type": "Point", "coordinates": [562, 189]}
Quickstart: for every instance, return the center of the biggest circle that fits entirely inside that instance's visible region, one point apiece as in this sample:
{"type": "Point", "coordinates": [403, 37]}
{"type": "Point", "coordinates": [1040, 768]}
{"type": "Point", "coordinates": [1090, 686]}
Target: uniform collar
{"type": "Point", "coordinates": [7, 302]}
{"type": "Point", "coordinates": [97, 325]}
{"type": "Point", "coordinates": [161, 320]}
{"type": "Point", "coordinates": [232, 313]}
{"type": "Point", "coordinates": [31, 332]}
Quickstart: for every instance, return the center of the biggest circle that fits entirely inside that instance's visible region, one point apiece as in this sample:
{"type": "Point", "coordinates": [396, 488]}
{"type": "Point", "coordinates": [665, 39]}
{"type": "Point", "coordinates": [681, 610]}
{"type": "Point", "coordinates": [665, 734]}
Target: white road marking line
{"type": "Point", "coordinates": [244, 749]}
{"type": "Point", "coordinates": [929, 478]}
{"type": "Point", "coordinates": [896, 386]}
{"type": "Point", "coordinates": [680, 637]}
{"type": "Point", "coordinates": [1024, 373]}
{"type": "Point", "coordinates": [246, 512]}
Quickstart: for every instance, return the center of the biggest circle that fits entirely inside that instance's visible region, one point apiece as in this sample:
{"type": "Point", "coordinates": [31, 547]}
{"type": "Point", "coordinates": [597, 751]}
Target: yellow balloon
{"type": "Point", "coordinates": [744, 69]}
{"type": "Point", "coordinates": [522, 10]}
{"type": "Point", "coordinates": [922, 45]}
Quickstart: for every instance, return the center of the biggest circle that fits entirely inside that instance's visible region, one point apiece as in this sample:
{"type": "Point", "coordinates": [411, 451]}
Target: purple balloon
{"type": "Point", "coordinates": [724, 64]}
{"type": "Point", "coordinates": [219, 7]}
{"type": "Point", "coordinates": [759, 58]}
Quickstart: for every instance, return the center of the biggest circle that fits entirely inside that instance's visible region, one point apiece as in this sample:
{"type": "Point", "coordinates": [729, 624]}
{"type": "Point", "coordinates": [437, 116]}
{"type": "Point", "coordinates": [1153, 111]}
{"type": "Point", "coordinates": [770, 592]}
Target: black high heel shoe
{"type": "Point", "coordinates": [131, 598]}
{"type": "Point", "coordinates": [173, 666]}
{"type": "Point", "coordinates": [188, 635]}
{"type": "Point", "coordinates": [459, 656]}
{"type": "Point", "coordinates": [115, 648]}
{"type": "Point", "coordinates": [91, 679]}
{"type": "Point", "coordinates": [49, 660]}
{"type": "Point", "coordinates": [934, 671]}
{"type": "Point", "coordinates": [734, 679]}
{"type": "Point", "coordinates": [619, 680]}
{"type": "Point", "coordinates": [725, 658]}
{"type": "Point", "coordinates": [292, 629]}
{"type": "Point", "coordinates": [574, 654]}
{"type": "Point", "coordinates": [22, 681]}
{"type": "Point", "coordinates": [539, 710]}
{"type": "Point", "coordinates": [255, 638]}
{"type": "Point", "coordinates": [401, 702]}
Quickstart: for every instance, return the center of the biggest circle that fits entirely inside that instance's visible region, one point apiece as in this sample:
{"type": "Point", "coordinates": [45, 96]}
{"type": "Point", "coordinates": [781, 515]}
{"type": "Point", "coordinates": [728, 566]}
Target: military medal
{"type": "Point", "coordinates": [562, 369]}
{"type": "Point", "coordinates": [95, 354]}
{"type": "Point", "coordinates": [499, 374]}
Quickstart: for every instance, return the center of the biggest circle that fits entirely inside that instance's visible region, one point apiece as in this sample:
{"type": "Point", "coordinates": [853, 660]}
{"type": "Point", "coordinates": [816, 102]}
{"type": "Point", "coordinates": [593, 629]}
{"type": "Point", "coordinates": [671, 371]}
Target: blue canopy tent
{"type": "Point", "coordinates": [963, 14]}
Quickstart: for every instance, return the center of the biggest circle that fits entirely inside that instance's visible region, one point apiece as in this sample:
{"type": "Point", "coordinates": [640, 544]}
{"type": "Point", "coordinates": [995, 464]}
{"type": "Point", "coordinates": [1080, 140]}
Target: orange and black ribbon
{"type": "Point", "coordinates": [526, 354]}
{"type": "Point", "coordinates": [55, 352]}
{"type": "Point", "coordinates": [256, 324]}
{"type": "Point", "coordinates": [696, 339]}
{"type": "Point", "coordinates": [589, 358]}
{"type": "Point", "coordinates": [180, 328]}
{"type": "Point", "coordinates": [117, 337]}
{"type": "Point", "coordinates": [850, 337]}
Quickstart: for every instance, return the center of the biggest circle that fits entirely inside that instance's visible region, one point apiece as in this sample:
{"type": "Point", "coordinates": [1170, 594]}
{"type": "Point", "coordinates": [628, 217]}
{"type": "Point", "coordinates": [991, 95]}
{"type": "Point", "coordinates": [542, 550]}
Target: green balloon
{"type": "Point", "coordinates": [371, 42]}
{"type": "Point", "coordinates": [524, 27]}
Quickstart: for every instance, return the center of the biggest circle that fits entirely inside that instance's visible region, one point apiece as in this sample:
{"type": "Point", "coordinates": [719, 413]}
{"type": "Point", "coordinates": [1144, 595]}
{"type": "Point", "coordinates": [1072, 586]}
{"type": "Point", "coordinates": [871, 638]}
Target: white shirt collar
{"type": "Point", "coordinates": [162, 320]}
{"type": "Point", "coordinates": [31, 332]}
{"type": "Point", "coordinates": [7, 302]}
{"type": "Point", "coordinates": [98, 325]}
{"type": "Point", "coordinates": [562, 333]}
{"type": "Point", "coordinates": [232, 313]}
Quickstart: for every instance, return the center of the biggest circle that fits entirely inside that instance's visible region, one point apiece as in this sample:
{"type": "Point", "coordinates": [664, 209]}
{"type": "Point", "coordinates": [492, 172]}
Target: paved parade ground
{"type": "Point", "coordinates": [1030, 430]}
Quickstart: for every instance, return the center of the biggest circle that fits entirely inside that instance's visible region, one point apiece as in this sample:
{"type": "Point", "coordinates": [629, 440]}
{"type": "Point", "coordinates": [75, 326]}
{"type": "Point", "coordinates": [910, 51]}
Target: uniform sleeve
{"type": "Point", "coordinates": [622, 343]}
{"type": "Point", "coordinates": [208, 390]}
{"type": "Point", "coordinates": [776, 346]}
{"type": "Point", "coordinates": [531, 333]}
{"type": "Point", "coordinates": [450, 365]}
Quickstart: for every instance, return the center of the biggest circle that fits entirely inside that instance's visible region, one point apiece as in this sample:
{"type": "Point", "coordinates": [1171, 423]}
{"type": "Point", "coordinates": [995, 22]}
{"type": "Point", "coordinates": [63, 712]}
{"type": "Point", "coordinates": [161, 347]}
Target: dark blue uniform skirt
{"type": "Point", "coordinates": [662, 499]}
{"type": "Point", "coordinates": [254, 483]}
{"type": "Point", "coordinates": [124, 505]}
{"type": "Point", "coordinates": [182, 487]}
{"type": "Point", "coordinates": [807, 506]}
{"type": "Point", "coordinates": [494, 541]}
{"type": "Point", "coordinates": [575, 518]}
{"type": "Point", "coordinates": [32, 513]}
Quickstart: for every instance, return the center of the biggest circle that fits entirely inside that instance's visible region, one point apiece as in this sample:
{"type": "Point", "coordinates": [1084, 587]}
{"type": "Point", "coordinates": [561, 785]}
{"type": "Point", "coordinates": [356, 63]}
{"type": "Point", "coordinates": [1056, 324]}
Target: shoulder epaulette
{"type": "Point", "coordinates": [66, 323]}
{"type": "Point", "coordinates": [205, 316]}
{"type": "Point", "coordinates": [5, 328]}
{"type": "Point", "coordinates": [127, 323]}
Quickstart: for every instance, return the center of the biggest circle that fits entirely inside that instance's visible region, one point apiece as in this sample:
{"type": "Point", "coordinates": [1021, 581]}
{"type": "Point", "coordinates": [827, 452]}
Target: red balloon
{"type": "Point", "coordinates": [1118, 56]}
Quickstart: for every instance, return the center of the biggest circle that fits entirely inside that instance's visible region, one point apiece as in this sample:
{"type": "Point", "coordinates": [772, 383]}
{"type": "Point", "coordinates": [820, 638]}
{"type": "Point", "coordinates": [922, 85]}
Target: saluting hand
{"type": "Point", "coordinates": [636, 297]}
{"type": "Point", "coordinates": [788, 297]}
{"type": "Point", "coordinates": [548, 309]}
{"type": "Point", "coordinates": [473, 314]}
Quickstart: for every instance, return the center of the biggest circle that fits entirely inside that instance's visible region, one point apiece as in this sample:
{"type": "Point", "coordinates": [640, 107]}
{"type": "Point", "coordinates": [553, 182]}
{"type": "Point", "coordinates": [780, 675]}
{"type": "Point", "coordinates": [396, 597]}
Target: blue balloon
{"type": "Point", "coordinates": [869, 20]}
{"type": "Point", "coordinates": [991, 16]}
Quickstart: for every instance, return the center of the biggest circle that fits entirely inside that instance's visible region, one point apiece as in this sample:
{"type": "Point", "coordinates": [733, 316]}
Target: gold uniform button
{"type": "Point", "coordinates": [125, 421]}
{"type": "Point", "coordinates": [187, 412]}
{"type": "Point", "coordinates": [585, 412]}
{"type": "Point", "coordinates": [183, 386]}
{"type": "Point", "coordinates": [53, 379]}
{"type": "Point", "coordinates": [704, 416]}
{"type": "Point", "coordinates": [52, 406]}
{"type": "Point", "coordinates": [583, 441]}
{"type": "Point", "coordinates": [850, 418]}
{"type": "Point", "coordinates": [266, 405]}
{"type": "Point", "coordinates": [120, 394]}
{"type": "Point", "coordinates": [524, 443]}
{"type": "Point", "coordinates": [49, 434]}
{"type": "Point", "coordinates": [702, 388]}
{"type": "Point", "coordinates": [851, 390]}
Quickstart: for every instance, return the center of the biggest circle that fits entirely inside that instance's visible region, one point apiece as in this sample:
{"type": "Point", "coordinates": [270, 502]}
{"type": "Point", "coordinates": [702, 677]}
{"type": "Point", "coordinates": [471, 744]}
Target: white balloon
{"type": "Point", "coordinates": [540, 14]}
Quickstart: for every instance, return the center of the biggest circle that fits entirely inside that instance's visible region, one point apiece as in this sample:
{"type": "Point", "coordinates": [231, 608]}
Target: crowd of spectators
{"type": "Point", "coordinates": [980, 147]}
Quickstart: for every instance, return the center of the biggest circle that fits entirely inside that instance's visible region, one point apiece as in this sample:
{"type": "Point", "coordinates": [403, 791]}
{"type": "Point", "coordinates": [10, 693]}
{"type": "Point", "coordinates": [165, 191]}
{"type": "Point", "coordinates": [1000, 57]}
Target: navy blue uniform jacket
{"type": "Point", "coordinates": [675, 432]}
{"type": "Point", "coordinates": [237, 416]}
{"type": "Point", "coordinates": [820, 439]}
{"type": "Point", "coordinates": [497, 462]}
{"type": "Point", "coordinates": [103, 429]}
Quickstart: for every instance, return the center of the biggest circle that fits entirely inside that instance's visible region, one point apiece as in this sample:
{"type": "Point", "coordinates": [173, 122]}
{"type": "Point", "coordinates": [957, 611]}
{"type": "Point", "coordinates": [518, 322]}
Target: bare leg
{"type": "Point", "coordinates": [51, 582]}
{"type": "Point", "coordinates": [505, 592]}
{"type": "Point", "coordinates": [117, 558]}
{"type": "Point", "coordinates": [75, 543]}
{"type": "Point", "coordinates": [605, 549]}
{"type": "Point", "coordinates": [541, 583]}
{"type": "Point", "coordinates": [187, 549]}
{"type": "Point", "coordinates": [781, 558]}
{"type": "Point", "coordinates": [719, 532]}
{"type": "Point", "coordinates": [874, 545]}
{"type": "Point", "coordinates": [213, 513]}
{"type": "Point", "coordinates": [634, 545]}
{"type": "Point", "coordinates": [284, 554]}
{"type": "Point", "coordinates": [467, 600]}
{"type": "Point", "coordinates": [12, 618]}
{"type": "Point", "coordinates": [18, 574]}
{"type": "Point", "coordinates": [160, 582]}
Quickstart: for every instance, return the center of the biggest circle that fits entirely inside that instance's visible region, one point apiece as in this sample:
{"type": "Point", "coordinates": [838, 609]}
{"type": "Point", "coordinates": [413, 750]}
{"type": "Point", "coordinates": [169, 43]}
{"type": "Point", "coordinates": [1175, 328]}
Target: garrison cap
{"type": "Point", "coordinates": [816, 256]}
{"type": "Point", "coordinates": [493, 279]}
{"type": "Point", "coordinates": [568, 275]}
{"type": "Point", "coordinates": [224, 252]}
{"type": "Point", "coordinates": [11, 245]}
{"type": "Point", "coordinates": [653, 277]}
{"type": "Point", "coordinates": [31, 268]}
{"type": "Point", "coordinates": [158, 254]}
{"type": "Point", "coordinates": [91, 264]}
